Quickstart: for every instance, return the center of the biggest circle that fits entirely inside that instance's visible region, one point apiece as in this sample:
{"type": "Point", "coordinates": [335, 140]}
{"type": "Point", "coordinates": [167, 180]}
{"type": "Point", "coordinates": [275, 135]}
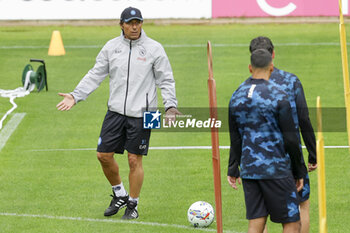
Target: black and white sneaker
{"type": "Point", "coordinates": [131, 211]}
{"type": "Point", "coordinates": [117, 203]}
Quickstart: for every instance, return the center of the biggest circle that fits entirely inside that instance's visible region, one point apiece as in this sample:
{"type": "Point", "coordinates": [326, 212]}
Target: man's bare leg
{"type": "Point", "coordinates": [291, 227]}
{"type": "Point", "coordinates": [136, 175]}
{"type": "Point", "coordinates": [265, 229]}
{"type": "Point", "coordinates": [257, 225]}
{"type": "Point", "coordinates": [111, 170]}
{"type": "Point", "coordinates": [135, 183]}
{"type": "Point", "coordinates": [110, 167]}
{"type": "Point", "coordinates": [304, 216]}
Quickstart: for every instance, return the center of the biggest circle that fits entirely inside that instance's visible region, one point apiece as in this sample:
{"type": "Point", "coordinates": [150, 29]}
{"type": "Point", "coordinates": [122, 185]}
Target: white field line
{"type": "Point", "coordinates": [9, 128]}
{"type": "Point", "coordinates": [163, 148]}
{"type": "Point", "coordinates": [174, 45]}
{"type": "Point", "coordinates": [155, 224]}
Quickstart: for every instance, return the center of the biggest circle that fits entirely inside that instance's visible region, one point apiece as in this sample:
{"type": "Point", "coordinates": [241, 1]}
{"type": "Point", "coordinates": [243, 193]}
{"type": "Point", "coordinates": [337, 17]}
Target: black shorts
{"type": "Point", "coordinates": [121, 133]}
{"type": "Point", "coordinates": [304, 194]}
{"type": "Point", "coordinates": [276, 197]}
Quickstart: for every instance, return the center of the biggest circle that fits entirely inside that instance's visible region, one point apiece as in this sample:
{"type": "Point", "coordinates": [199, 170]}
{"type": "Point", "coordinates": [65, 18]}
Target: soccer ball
{"type": "Point", "coordinates": [200, 214]}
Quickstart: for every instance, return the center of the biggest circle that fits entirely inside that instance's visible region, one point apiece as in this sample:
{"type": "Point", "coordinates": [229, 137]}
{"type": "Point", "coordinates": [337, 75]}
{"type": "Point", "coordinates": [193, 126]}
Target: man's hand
{"type": "Point", "coordinates": [232, 181]}
{"type": "Point", "coordinates": [299, 183]}
{"type": "Point", "coordinates": [312, 167]}
{"type": "Point", "coordinates": [67, 103]}
{"type": "Point", "coordinates": [170, 115]}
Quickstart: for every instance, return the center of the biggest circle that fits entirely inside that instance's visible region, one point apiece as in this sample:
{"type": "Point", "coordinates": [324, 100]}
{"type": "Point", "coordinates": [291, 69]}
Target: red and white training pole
{"type": "Point", "coordinates": [215, 141]}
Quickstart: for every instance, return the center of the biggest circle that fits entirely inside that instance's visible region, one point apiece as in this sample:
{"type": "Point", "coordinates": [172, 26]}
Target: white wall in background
{"type": "Point", "coordinates": [101, 9]}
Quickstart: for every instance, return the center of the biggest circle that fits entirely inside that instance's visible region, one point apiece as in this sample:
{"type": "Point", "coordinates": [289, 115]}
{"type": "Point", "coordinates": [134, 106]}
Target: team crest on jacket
{"type": "Point", "coordinates": [142, 51]}
{"type": "Point", "coordinates": [118, 50]}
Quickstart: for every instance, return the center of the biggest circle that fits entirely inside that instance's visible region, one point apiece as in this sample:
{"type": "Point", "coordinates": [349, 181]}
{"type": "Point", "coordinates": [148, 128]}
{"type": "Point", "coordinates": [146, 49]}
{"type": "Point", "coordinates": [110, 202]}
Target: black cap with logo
{"type": "Point", "coordinates": [130, 13]}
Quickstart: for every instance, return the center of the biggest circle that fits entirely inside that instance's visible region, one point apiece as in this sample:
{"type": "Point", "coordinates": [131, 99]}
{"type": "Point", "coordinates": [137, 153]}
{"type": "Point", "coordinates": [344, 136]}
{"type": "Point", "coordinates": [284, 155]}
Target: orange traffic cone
{"type": "Point", "coordinates": [56, 45]}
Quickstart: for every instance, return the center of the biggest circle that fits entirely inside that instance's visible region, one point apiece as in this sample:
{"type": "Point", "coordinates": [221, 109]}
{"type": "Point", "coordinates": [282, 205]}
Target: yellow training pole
{"type": "Point", "coordinates": [344, 54]}
{"type": "Point", "coordinates": [321, 171]}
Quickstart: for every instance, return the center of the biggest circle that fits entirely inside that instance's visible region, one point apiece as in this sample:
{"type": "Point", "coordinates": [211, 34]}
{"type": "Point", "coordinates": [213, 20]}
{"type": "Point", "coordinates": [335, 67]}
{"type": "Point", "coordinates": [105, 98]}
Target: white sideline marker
{"type": "Point", "coordinates": [9, 128]}
{"type": "Point", "coordinates": [110, 221]}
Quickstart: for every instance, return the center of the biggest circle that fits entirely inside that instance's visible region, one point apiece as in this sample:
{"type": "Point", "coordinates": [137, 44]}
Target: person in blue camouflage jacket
{"type": "Point", "coordinates": [265, 150]}
{"type": "Point", "coordinates": [292, 86]}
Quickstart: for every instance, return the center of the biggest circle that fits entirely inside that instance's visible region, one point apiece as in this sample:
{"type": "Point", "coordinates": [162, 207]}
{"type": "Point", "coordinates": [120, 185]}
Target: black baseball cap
{"type": "Point", "coordinates": [130, 13]}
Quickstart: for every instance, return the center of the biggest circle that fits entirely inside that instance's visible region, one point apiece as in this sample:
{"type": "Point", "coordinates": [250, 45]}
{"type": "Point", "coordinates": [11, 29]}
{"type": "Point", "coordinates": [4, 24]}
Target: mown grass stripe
{"type": "Point", "coordinates": [110, 221]}
{"type": "Point", "coordinates": [9, 128]}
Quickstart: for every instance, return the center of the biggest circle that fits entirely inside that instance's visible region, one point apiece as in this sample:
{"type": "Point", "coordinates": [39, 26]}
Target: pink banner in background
{"type": "Point", "coordinates": [266, 8]}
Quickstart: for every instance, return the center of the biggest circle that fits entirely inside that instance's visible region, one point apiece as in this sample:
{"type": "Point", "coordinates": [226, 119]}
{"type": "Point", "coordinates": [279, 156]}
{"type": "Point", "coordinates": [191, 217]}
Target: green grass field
{"type": "Point", "coordinates": [45, 186]}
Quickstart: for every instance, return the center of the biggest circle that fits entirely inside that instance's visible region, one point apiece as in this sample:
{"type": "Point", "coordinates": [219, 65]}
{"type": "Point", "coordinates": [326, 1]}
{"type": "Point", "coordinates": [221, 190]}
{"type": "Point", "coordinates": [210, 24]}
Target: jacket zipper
{"type": "Point", "coordinates": [127, 81]}
{"type": "Point", "coordinates": [146, 102]}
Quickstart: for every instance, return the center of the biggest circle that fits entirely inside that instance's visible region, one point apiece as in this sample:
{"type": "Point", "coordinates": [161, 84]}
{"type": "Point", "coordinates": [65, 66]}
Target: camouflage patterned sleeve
{"type": "Point", "coordinates": [290, 139]}
{"type": "Point", "coordinates": [305, 125]}
{"type": "Point", "coordinates": [236, 147]}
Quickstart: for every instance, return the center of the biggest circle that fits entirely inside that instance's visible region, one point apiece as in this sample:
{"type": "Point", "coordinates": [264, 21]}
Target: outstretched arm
{"type": "Point", "coordinates": [94, 77]}
{"type": "Point", "coordinates": [67, 103]}
{"type": "Point", "coordinates": [88, 84]}
{"type": "Point", "coordinates": [291, 139]}
{"type": "Point", "coordinates": [235, 148]}
{"type": "Point", "coordinates": [235, 153]}
{"type": "Point", "coordinates": [305, 125]}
